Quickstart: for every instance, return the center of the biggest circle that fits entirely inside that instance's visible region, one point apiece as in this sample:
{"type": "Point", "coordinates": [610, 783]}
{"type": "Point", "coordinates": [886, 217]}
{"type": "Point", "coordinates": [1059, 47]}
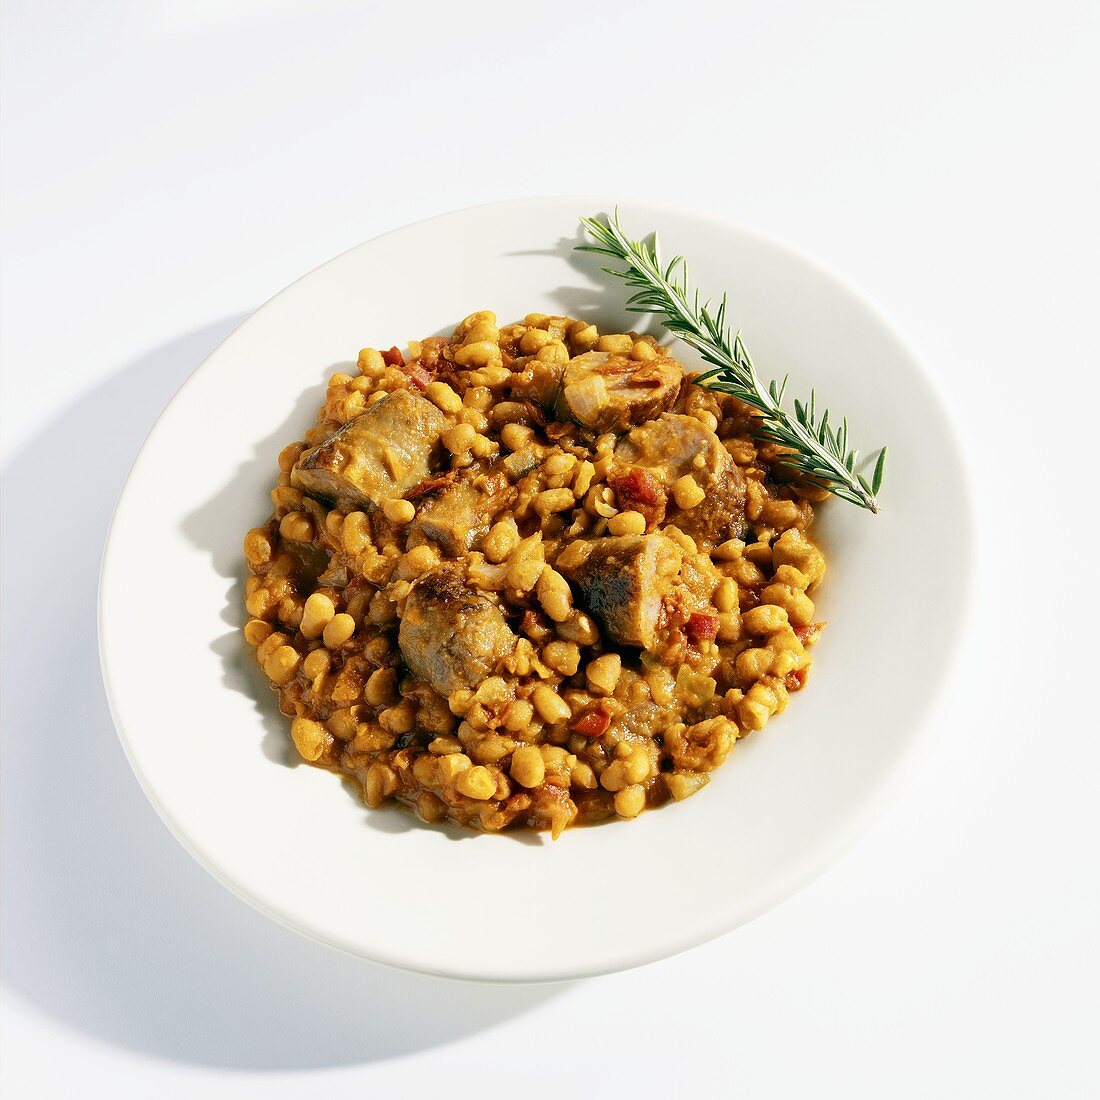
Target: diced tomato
{"type": "Point", "coordinates": [701, 628]}
{"type": "Point", "coordinates": [637, 490]}
{"type": "Point", "coordinates": [431, 485]}
{"type": "Point", "coordinates": [636, 487]}
{"type": "Point", "coordinates": [796, 680]}
{"type": "Point", "coordinates": [418, 376]}
{"type": "Point", "coordinates": [593, 723]}
{"type": "Point", "coordinates": [393, 357]}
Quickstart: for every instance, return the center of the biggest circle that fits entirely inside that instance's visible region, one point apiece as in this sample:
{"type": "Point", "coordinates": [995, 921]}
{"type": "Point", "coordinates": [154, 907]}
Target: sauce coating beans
{"type": "Point", "coordinates": [530, 576]}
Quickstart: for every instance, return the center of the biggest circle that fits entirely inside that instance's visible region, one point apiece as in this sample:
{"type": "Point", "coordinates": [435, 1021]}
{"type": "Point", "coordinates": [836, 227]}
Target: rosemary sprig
{"type": "Point", "coordinates": [816, 449]}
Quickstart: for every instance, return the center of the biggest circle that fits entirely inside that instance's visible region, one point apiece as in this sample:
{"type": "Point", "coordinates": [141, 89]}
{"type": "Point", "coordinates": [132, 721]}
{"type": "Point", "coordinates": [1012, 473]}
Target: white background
{"type": "Point", "coordinates": [167, 167]}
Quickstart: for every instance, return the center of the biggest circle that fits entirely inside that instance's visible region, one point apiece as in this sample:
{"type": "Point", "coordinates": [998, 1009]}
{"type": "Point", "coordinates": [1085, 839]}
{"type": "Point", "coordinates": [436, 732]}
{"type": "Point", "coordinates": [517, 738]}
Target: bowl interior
{"type": "Point", "coordinates": [207, 742]}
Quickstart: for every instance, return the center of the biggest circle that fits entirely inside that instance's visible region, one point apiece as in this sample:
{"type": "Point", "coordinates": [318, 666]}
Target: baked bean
{"type": "Point", "coordinates": [630, 801]}
{"type": "Point", "coordinates": [550, 705]}
{"type": "Point", "coordinates": [627, 523]}
{"type": "Point", "coordinates": [339, 629]}
{"type": "Point", "coordinates": [602, 674]}
{"type": "Point", "coordinates": [318, 613]}
{"type": "Point", "coordinates": [476, 782]}
{"type": "Point", "coordinates": [399, 511]}
{"type": "Point", "coordinates": [615, 344]}
{"type": "Point", "coordinates": [257, 547]}
{"type": "Point", "coordinates": [528, 768]}
{"type": "Point", "coordinates": [554, 594]}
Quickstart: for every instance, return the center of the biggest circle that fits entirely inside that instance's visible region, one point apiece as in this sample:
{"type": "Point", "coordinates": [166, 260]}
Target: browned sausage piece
{"type": "Point", "coordinates": [451, 636]}
{"type": "Point", "coordinates": [376, 456]}
{"type": "Point", "coordinates": [609, 393]}
{"type": "Point", "coordinates": [675, 445]}
{"type": "Point", "coordinates": [623, 582]}
{"type": "Point", "coordinates": [459, 511]}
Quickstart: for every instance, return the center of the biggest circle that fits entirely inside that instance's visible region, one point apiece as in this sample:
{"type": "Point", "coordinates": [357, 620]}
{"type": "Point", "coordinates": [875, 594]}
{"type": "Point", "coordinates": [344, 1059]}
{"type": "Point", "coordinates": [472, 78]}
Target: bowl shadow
{"type": "Point", "coordinates": [110, 926]}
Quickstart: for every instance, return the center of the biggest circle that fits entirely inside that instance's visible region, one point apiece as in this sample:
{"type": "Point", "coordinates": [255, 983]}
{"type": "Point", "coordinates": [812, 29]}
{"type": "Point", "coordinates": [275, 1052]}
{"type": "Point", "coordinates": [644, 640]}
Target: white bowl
{"type": "Point", "coordinates": [202, 730]}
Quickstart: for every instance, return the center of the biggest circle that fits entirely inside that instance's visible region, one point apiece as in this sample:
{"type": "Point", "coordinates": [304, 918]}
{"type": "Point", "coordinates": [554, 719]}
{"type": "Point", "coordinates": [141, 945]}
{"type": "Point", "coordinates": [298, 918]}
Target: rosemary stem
{"type": "Point", "coordinates": [813, 448]}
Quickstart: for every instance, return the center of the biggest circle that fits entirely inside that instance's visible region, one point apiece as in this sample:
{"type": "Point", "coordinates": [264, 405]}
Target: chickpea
{"type": "Point", "coordinates": [581, 775]}
{"type": "Point", "coordinates": [613, 777]}
{"type": "Point", "coordinates": [444, 746]}
{"type": "Point", "coordinates": [316, 664]}
{"type": "Point", "coordinates": [481, 353]}
{"type": "Point", "coordinates": [730, 550]}
{"type": "Point", "coordinates": [757, 707]}
{"type": "Point", "coordinates": [793, 548]}
{"type": "Point", "coordinates": [286, 499]}
{"type": "Point", "coordinates": [747, 574]}
{"type": "Point", "coordinates": [400, 718]}
{"type": "Point", "coordinates": [788, 574]}
{"type": "Point", "coordinates": [583, 335]}
{"type": "Point", "coordinates": [534, 340]}
{"type": "Point", "coordinates": [556, 353]}
{"type": "Point", "coordinates": [418, 561]}
{"type": "Point", "coordinates": [516, 436]}
{"type": "Point", "coordinates": [334, 525]}
{"type": "Point", "coordinates": [268, 646]}
{"type": "Point", "coordinates": [452, 765]}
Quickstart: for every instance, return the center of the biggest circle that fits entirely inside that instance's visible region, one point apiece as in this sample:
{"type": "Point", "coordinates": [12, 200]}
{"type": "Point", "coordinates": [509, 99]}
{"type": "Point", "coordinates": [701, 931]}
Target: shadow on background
{"type": "Point", "coordinates": [109, 925]}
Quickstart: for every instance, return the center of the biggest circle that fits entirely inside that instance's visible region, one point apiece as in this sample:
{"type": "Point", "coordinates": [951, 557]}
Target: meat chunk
{"type": "Point", "coordinates": [675, 445]}
{"type": "Point", "coordinates": [457, 512]}
{"type": "Point", "coordinates": [376, 456]}
{"type": "Point", "coordinates": [451, 518]}
{"type": "Point", "coordinates": [450, 636]}
{"type": "Point", "coordinates": [623, 581]}
{"type": "Point", "coordinates": [609, 393]}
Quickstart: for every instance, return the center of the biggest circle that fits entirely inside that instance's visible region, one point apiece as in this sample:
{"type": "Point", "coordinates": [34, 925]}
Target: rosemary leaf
{"type": "Point", "coordinates": [814, 449]}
